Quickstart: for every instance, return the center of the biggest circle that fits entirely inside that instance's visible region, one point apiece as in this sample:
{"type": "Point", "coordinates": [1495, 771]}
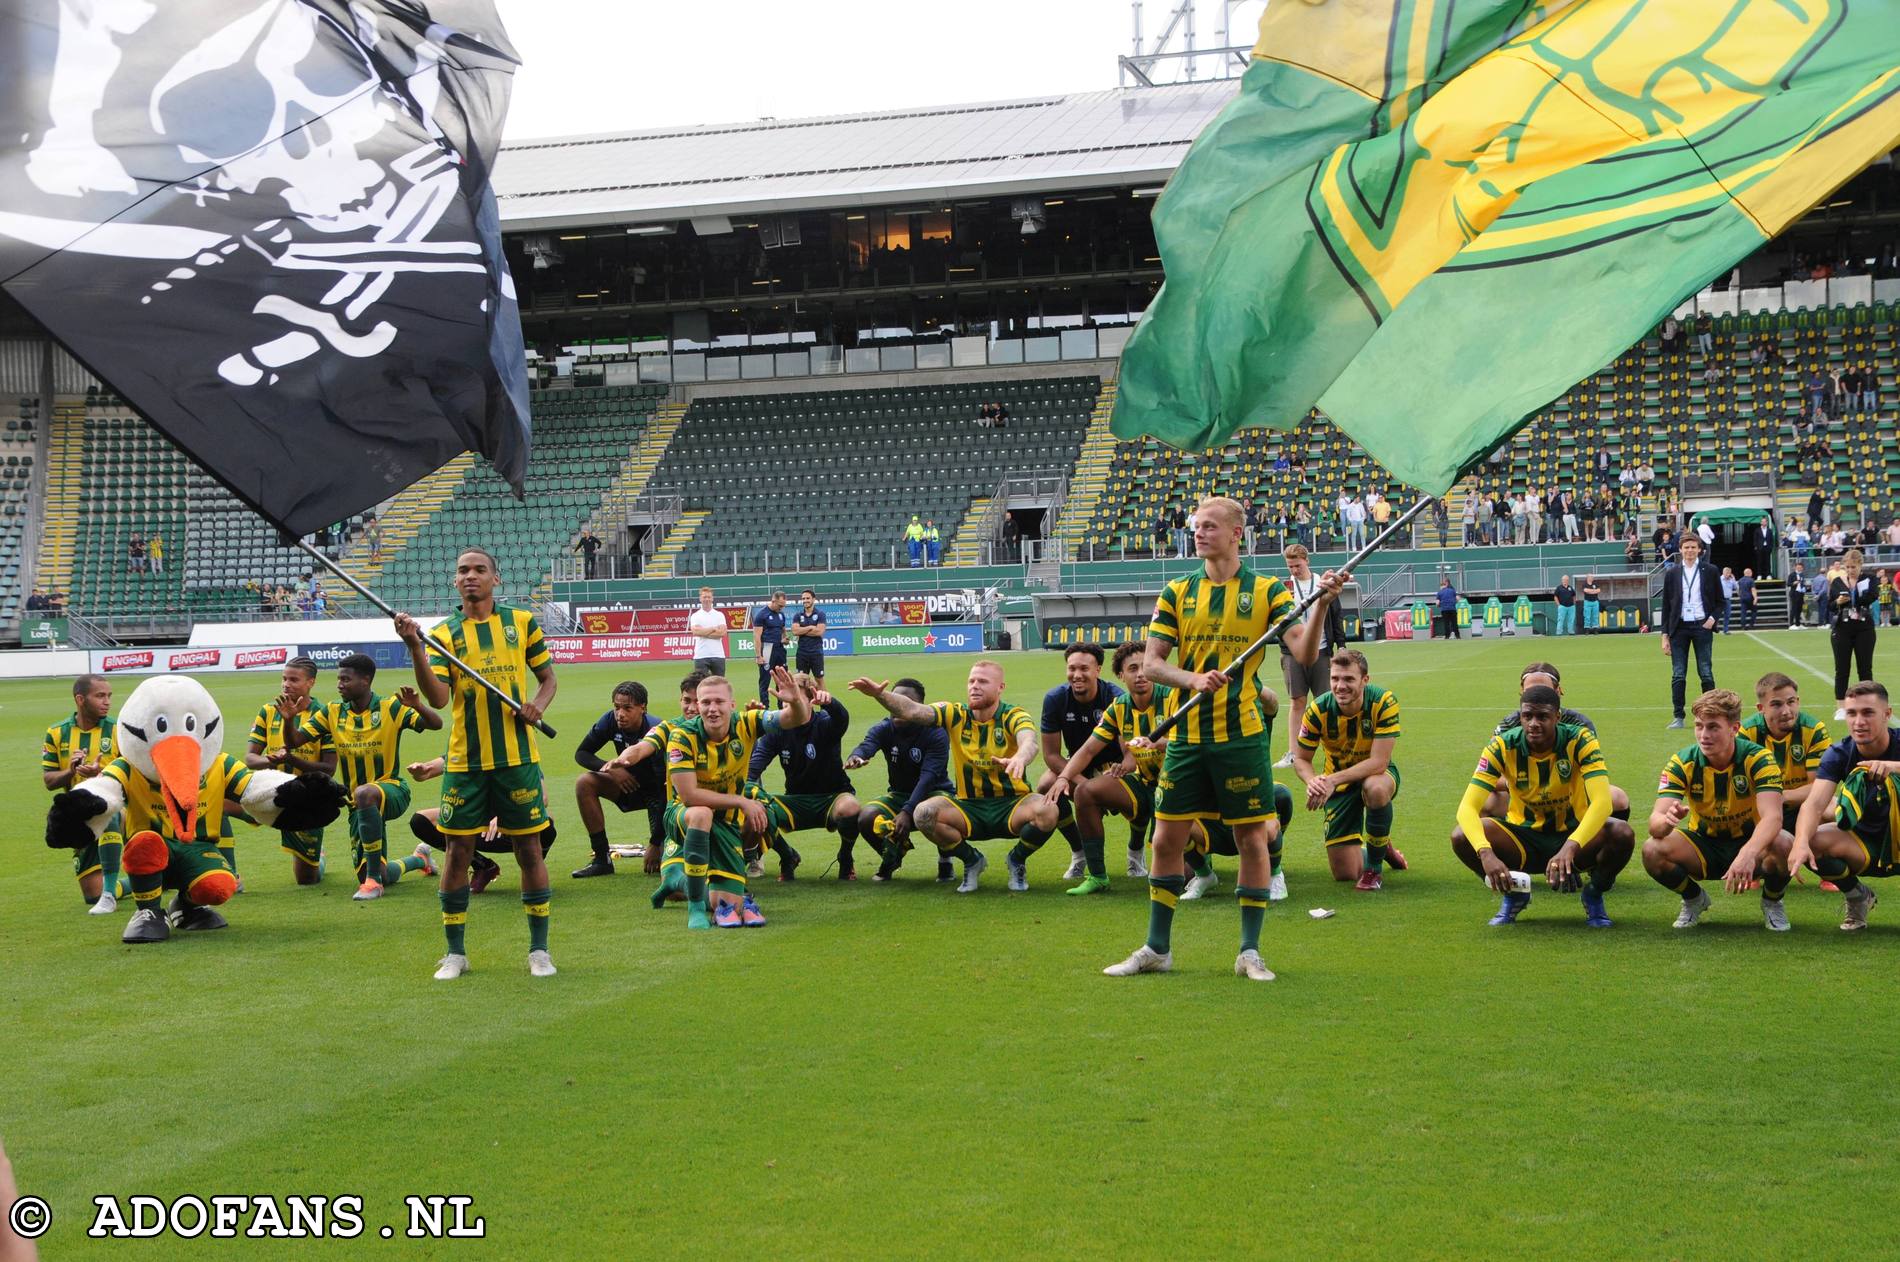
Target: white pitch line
{"type": "Point", "coordinates": [1810, 667]}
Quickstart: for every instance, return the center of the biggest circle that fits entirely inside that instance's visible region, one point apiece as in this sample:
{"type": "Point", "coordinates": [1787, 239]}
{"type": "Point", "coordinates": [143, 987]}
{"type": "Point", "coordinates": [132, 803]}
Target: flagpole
{"type": "Point", "coordinates": [435, 646]}
{"type": "Point", "coordinates": [1279, 629]}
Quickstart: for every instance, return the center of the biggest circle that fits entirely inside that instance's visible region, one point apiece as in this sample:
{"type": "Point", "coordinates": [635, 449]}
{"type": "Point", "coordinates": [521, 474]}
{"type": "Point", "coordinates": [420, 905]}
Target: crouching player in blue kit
{"type": "Point", "coordinates": [627, 788]}
{"type": "Point", "coordinates": [1556, 815]}
{"type": "Point", "coordinates": [1071, 712]}
{"type": "Point", "coordinates": [817, 792]}
{"type": "Point", "coordinates": [917, 759]}
{"type": "Point", "coordinates": [668, 864]}
{"type": "Point", "coordinates": [1853, 775]}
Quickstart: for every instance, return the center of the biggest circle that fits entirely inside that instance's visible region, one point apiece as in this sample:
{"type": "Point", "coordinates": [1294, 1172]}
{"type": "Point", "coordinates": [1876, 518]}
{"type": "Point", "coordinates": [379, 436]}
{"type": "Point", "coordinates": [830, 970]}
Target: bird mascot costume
{"type": "Point", "coordinates": [172, 780]}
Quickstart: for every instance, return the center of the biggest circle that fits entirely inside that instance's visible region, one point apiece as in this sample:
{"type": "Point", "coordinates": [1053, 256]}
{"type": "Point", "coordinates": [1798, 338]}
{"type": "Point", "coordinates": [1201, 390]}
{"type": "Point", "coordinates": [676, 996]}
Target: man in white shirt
{"type": "Point", "coordinates": [1355, 525]}
{"type": "Point", "coordinates": [1533, 517]}
{"type": "Point", "coordinates": [709, 630]}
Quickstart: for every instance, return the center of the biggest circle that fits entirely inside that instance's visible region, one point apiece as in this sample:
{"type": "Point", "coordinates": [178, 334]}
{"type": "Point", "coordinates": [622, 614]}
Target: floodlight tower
{"type": "Point", "coordinates": [1157, 62]}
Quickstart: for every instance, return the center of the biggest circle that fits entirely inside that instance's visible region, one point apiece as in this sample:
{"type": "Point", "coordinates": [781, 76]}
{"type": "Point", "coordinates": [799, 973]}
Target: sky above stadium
{"type": "Point", "coordinates": [616, 65]}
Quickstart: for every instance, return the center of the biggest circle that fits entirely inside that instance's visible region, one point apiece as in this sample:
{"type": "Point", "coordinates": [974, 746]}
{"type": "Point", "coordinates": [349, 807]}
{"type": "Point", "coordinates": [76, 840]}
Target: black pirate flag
{"type": "Point", "coordinates": [267, 224]}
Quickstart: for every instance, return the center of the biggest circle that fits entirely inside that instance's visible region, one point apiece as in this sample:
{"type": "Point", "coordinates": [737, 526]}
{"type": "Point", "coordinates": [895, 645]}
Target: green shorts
{"type": "Point", "coordinates": [796, 812]}
{"type": "Point", "coordinates": [1218, 838]}
{"type": "Point", "coordinates": [1717, 851]}
{"type": "Point", "coordinates": [1346, 812]}
{"type": "Point", "coordinates": [190, 862]}
{"type": "Point", "coordinates": [986, 819]}
{"type": "Point", "coordinates": [305, 847]}
{"type": "Point", "coordinates": [1539, 845]}
{"type": "Point", "coordinates": [673, 821]}
{"type": "Point", "coordinates": [1862, 806]}
{"type": "Point", "coordinates": [396, 794]}
{"type": "Point", "coordinates": [1136, 792]}
{"type": "Point", "coordinates": [510, 795]}
{"type": "Point", "coordinates": [1225, 780]}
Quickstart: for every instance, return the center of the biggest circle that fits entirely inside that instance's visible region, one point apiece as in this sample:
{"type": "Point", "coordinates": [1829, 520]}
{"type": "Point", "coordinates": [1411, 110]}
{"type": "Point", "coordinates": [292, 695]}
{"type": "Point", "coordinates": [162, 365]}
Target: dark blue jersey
{"type": "Point", "coordinates": [918, 758]}
{"type": "Point", "coordinates": [650, 775]}
{"type": "Point", "coordinates": [1077, 720]}
{"type": "Point", "coordinates": [810, 646]}
{"type": "Point", "coordinates": [771, 624]}
{"type": "Point", "coordinates": [810, 755]}
{"type": "Point", "coordinates": [1843, 756]}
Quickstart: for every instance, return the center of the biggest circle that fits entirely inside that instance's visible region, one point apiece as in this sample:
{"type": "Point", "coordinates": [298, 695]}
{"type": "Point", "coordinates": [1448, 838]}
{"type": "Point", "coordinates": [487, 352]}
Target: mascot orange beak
{"type": "Point", "coordinates": [176, 760]}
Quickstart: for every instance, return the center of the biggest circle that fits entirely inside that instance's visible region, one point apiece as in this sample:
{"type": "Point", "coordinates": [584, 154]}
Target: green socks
{"type": "Point", "coordinates": [1030, 839]}
{"type": "Point", "coordinates": [230, 857]}
{"type": "Point", "coordinates": [1094, 853]}
{"type": "Point", "coordinates": [1836, 870]}
{"type": "Point", "coordinates": [1163, 893]}
{"type": "Point", "coordinates": [109, 852]}
{"type": "Point", "coordinates": [1378, 833]}
{"type": "Point", "coordinates": [1273, 853]}
{"type": "Point", "coordinates": [455, 918]}
{"type": "Point", "coordinates": [965, 852]}
{"type": "Point", "coordinates": [1253, 913]}
{"type": "Point", "coordinates": [1199, 863]}
{"type": "Point", "coordinates": [536, 901]}
{"type": "Point", "coordinates": [1602, 882]}
{"type": "Point", "coordinates": [698, 851]}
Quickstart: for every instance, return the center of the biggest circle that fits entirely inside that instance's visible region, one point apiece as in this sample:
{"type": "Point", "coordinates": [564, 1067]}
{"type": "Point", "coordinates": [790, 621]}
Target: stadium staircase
{"type": "Point", "coordinates": [666, 556]}
{"type": "Point", "coordinates": [402, 518]}
{"type": "Point", "coordinates": [1091, 472]}
{"type": "Point", "coordinates": [59, 521]}
{"type": "Point", "coordinates": [966, 545]}
{"type": "Point", "coordinates": [630, 483]}
{"type": "Point", "coordinates": [581, 440]}
{"type": "Point", "coordinates": [814, 479]}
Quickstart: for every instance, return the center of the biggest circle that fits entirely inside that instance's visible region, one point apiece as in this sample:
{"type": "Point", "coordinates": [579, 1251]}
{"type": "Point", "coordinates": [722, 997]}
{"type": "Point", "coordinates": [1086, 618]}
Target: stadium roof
{"type": "Point", "coordinates": [1036, 145]}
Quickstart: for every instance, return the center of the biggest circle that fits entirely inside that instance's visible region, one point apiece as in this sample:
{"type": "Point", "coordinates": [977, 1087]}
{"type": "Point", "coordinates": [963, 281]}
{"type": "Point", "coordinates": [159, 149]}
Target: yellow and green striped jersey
{"type": "Point", "coordinates": [368, 742]}
{"type": "Point", "coordinates": [1798, 754]}
{"type": "Point", "coordinates": [975, 746]}
{"type": "Point", "coordinates": [1210, 623]}
{"type": "Point", "coordinates": [92, 744]}
{"type": "Point", "coordinates": [145, 802]}
{"type": "Point", "coordinates": [717, 765]}
{"type": "Point", "coordinates": [507, 648]}
{"type": "Point", "coordinates": [1347, 738]}
{"type": "Point", "coordinates": [1721, 800]}
{"type": "Point", "coordinates": [267, 732]}
{"type": "Point", "coordinates": [1123, 721]}
{"type": "Point", "coordinates": [657, 736]}
{"type": "Point", "coordinates": [1547, 791]}
{"type": "Point", "coordinates": [1870, 803]}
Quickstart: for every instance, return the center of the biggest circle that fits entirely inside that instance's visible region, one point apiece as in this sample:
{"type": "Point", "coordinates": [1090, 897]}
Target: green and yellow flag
{"type": "Point", "coordinates": [1429, 218]}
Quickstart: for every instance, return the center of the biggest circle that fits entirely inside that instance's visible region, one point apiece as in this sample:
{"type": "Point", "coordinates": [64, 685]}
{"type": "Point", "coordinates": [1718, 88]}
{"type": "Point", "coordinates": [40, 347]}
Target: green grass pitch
{"type": "Point", "coordinates": [900, 1071]}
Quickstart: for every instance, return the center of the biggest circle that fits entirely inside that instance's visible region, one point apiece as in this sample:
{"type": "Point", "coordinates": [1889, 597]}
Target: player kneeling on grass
{"type": "Point", "coordinates": [1071, 713]}
{"type": "Point", "coordinates": [706, 759]}
{"type": "Point", "coordinates": [623, 726]}
{"type": "Point", "coordinates": [1357, 724]}
{"type": "Point", "coordinates": [1557, 812]}
{"type": "Point", "coordinates": [1218, 761]}
{"type": "Point", "coordinates": [482, 870]}
{"type": "Point", "coordinates": [668, 864]}
{"type": "Point", "coordinates": [1719, 814]}
{"type": "Point", "coordinates": [74, 751]}
{"type": "Point", "coordinates": [992, 745]}
{"type": "Point", "coordinates": [1124, 786]}
{"type": "Point", "coordinates": [1845, 851]}
{"type": "Point", "coordinates": [917, 760]}
{"type": "Point", "coordinates": [268, 752]}
{"type": "Point", "coordinates": [1211, 837]}
{"type": "Point", "coordinates": [1543, 674]}
{"type": "Point", "coordinates": [363, 734]}
{"type": "Point", "coordinates": [1797, 741]}
{"type": "Point", "coordinates": [817, 792]}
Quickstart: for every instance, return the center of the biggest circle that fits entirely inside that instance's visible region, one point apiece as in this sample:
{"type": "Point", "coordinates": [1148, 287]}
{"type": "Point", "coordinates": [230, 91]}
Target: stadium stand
{"type": "Point", "coordinates": [800, 474]}
{"type": "Point", "coordinates": [583, 439]}
{"type": "Point", "coordinates": [16, 481]}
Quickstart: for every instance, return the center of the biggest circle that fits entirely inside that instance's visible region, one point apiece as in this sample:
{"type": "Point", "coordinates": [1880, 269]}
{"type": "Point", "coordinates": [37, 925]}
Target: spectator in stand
{"type": "Point", "coordinates": [1533, 517]}
{"type": "Point", "coordinates": [1566, 597]}
{"type": "Point", "coordinates": [914, 541]}
{"type": "Point", "coordinates": [1836, 542]}
{"type": "Point", "coordinates": [985, 416]}
{"type": "Point", "coordinates": [1852, 597]}
{"type": "Point", "coordinates": [1758, 352]}
{"type": "Point", "coordinates": [1626, 478]}
{"type": "Point", "coordinates": [1705, 333]}
{"type": "Point", "coordinates": [1850, 390]}
{"type": "Point", "coordinates": [1587, 514]}
{"type": "Point", "coordinates": [1381, 510]}
{"type": "Point", "coordinates": [1163, 530]}
{"type": "Point", "coordinates": [933, 543]}
{"type": "Point", "coordinates": [1870, 389]}
{"type": "Point", "coordinates": [587, 545]}
{"type": "Point", "coordinates": [1441, 521]}
{"type": "Point", "coordinates": [1468, 521]}
{"type": "Point", "coordinates": [1817, 508]}
{"type": "Point", "coordinates": [1592, 595]}
{"type": "Point", "coordinates": [1869, 534]}
{"type": "Point", "coordinates": [373, 535]}
{"type": "Point", "coordinates": [1665, 541]}
{"type": "Point", "coordinates": [1797, 592]}
{"type": "Point", "coordinates": [1731, 593]}
{"type": "Point", "coordinates": [1746, 594]}
{"type": "Point", "coordinates": [37, 602]}
{"type": "Point", "coordinates": [155, 554]}
{"type": "Point", "coordinates": [1299, 464]}
{"type": "Point", "coordinates": [1183, 539]}
{"type": "Point", "coordinates": [1569, 517]}
{"type": "Point", "coordinates": [1354, 524]}
{"type": "Point", "coordinates": [1671, 336]}
{"type": "Point", "coordinates": [1013, 536]}
{"type": "Point", "coordinates": [1281, 465]}
{"type": "Point", "coordinates": [1645, 477]}
{"type": "Point", "coordinates": [1816, 390]}
{"type": "Point", "coordinates": [1798, 542]}
{"type": "Point", "coordinates": [1893, 533]}
{"type": "Point", "coordinates": [1447, 621]}
{"type": "Point", "coordinates": [1250, 524]}
{"type": "Point", "coordinates": [1518, 527]}
{"type": "Point", "coordinates": [135, 554]}
{"type": "Point", "coordinates": [1604, 476]}
{"type": "Point", "coordinates": [1484, 519]}
{"type": "Point", "coordinates": [1303, 525]}
{"type": "Point", "coordinates": [1633, 548]}
{"type": "Point", "coordinates": [1002, 416]}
